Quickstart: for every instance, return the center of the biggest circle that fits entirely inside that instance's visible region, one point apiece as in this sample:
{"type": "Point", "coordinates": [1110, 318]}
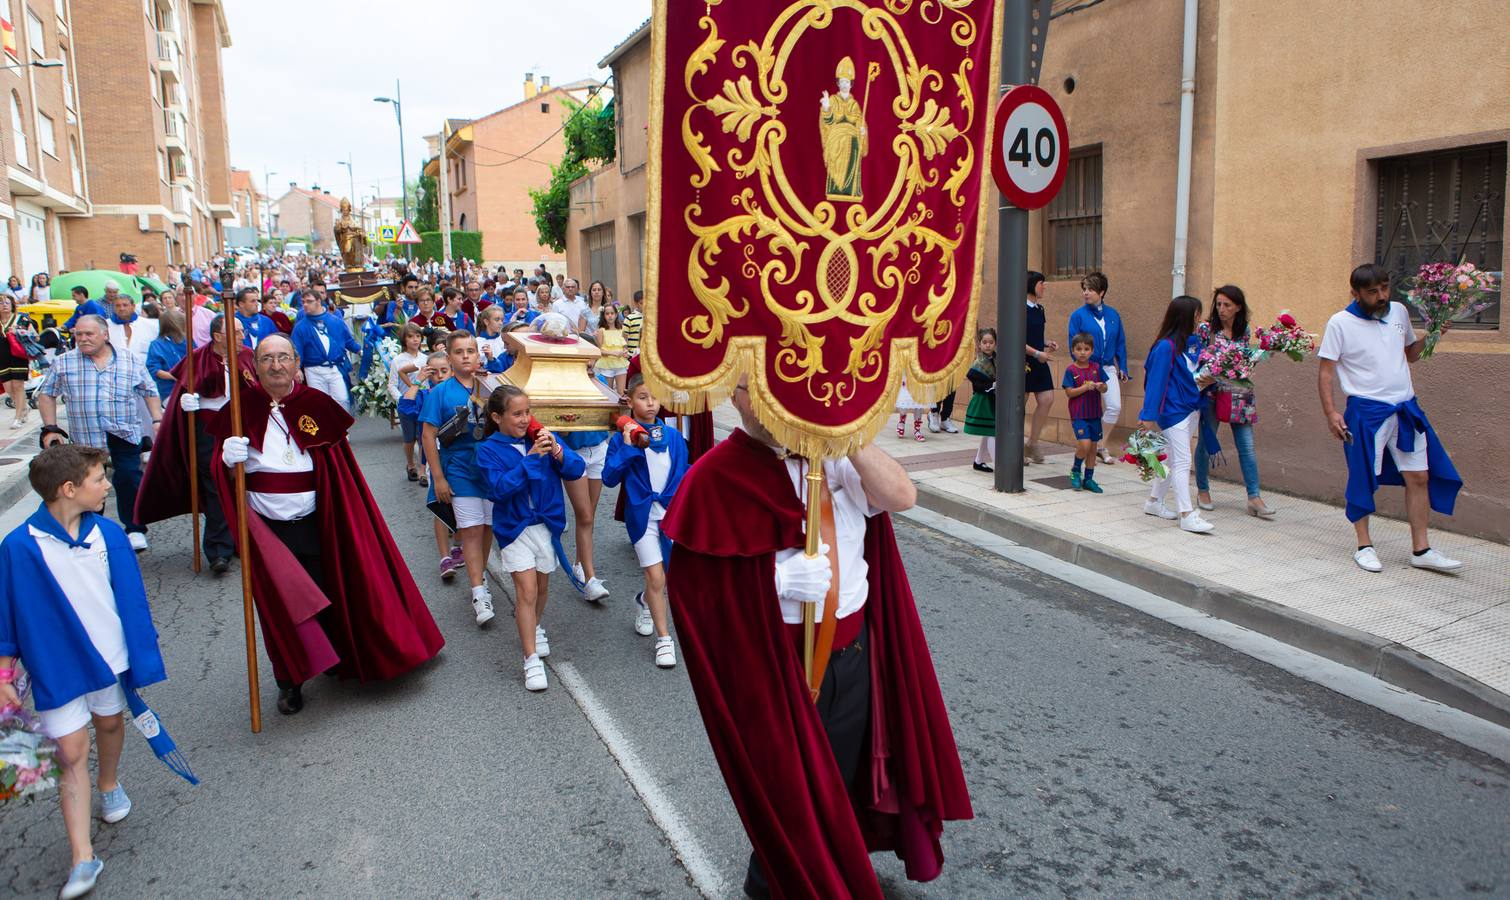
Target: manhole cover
{"type": "Point", "coordinates": [1058, 481]}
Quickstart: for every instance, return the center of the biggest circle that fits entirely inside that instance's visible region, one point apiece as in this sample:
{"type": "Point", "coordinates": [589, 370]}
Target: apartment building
{"type": "Point", "coordinates": [306, 213]}
{"type": "Point", "coordinates": [151, 94]}
{"type": "Point", "coordinates": [494, 161]}
{"type": "Point", "coordinates": [42, 145]}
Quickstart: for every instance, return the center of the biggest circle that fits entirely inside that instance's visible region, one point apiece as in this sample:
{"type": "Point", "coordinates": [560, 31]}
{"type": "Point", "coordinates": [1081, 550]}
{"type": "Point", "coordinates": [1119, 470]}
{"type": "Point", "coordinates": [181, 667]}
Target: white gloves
{"type": "Point", "coordinates": [804, 580]}
{"type": "Point", "coordinates": [235, 450]}
{"type": "Point", "coordinates": [188, 402]}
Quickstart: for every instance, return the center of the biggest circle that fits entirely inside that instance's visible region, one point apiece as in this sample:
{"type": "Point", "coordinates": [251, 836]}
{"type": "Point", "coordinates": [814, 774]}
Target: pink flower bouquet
{"type": "Point", "coordinates": [28, 764]}
{"type": "Point", "coordinates": [1287, 337]}
{"type": "Point", "coordinates": [1442, 293]}
{"type": "Point", "coordinates": [1229, 362]}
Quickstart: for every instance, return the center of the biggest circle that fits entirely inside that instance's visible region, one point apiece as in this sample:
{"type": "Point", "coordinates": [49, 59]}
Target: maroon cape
{"type": "Point", "coordinates": [747, 674]}
{"type": "Point", "coordinates": [164, 492]}
{"type": "Point", "coordinates": [372, 621]}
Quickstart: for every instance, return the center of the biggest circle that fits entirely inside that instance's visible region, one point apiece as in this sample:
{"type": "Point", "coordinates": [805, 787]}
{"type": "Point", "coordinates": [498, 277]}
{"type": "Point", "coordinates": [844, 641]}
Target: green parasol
{"type": "Point", "coordinates": [153, 283]}
{"type": "Point", "coordinates": [95, 280]}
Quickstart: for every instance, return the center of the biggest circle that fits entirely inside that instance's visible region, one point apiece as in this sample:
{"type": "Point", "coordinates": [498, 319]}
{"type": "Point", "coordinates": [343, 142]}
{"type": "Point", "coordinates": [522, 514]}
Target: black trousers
{"type": "Point", "coordinates": [302, 538]}
{"type": "Point", "coordinates": [217, 534]}
{"type": "Point", "coordinates": [844, 708]}
{"type": "Point", "coordinates": [945, 407]}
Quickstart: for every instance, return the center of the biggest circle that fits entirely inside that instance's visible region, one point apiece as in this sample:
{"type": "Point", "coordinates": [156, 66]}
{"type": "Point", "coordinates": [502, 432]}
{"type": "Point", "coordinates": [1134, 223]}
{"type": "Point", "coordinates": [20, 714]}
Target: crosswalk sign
{"type": "Point", "coordinates": [388, 234]}
{"type": "Point", "coordinates": [407, 234]}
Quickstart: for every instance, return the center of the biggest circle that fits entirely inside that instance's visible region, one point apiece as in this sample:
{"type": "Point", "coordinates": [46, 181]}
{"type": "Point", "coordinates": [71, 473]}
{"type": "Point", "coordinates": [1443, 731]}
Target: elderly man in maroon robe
{"type": "Point", "coordinates": [164, 492]}
{"type": "Point", "coordinates": [871, 765]}
{"type": "Point", "coordinates": [333, 593]}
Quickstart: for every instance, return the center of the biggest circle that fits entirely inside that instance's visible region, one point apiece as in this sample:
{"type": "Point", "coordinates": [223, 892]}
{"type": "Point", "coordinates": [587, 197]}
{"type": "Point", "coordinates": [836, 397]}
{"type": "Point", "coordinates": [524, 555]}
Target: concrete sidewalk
{"type": "Point", "coordinates": [1446, 637]}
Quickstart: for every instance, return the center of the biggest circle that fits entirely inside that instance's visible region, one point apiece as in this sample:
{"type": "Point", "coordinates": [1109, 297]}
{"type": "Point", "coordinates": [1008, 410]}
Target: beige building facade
{"type": "Point", "coordinates": [306, 213]}
{"type": "Point", "coordinates": [605, 232]}
{"type": "Point", "coordinates": [43, 146]}
{"type": "Point", "coordinates": [152, 101]}
{"type": "Point", "coordinates": [493, 162]}
{"type": "Point", "coordinates": [1312, 152]}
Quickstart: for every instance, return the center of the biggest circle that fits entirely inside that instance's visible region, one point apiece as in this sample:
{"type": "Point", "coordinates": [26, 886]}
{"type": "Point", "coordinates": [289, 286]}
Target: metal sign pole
{"type": "Point", "coordinates": [1012, 272]}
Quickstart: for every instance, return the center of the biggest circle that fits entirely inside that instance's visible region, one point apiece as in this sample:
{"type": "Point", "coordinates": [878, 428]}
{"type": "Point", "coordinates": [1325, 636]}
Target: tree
{"type": "Point", "coordinates": [589, 135]}
{"type": "Point", "coordinates": [427, 205]}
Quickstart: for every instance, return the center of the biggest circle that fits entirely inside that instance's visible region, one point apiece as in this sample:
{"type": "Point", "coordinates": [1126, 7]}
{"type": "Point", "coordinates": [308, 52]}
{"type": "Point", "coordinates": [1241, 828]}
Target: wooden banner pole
{"type": "Point", "coordinates": [233, 389]}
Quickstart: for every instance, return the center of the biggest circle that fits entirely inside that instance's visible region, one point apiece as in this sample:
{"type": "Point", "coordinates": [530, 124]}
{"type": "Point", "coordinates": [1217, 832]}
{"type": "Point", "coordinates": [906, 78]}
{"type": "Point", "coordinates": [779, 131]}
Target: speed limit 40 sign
{"type": "Point", "coordinates": [1032, 144]}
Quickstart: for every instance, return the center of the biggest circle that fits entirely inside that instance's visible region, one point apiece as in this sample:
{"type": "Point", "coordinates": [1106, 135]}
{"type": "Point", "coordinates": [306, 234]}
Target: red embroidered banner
{"type": "Point", "coordinates": [818, 199]}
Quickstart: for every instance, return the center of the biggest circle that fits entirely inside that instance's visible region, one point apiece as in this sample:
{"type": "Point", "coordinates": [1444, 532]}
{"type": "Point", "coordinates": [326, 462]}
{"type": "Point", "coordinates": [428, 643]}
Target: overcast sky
{"type": "Point", "coordinates": [301, 75]}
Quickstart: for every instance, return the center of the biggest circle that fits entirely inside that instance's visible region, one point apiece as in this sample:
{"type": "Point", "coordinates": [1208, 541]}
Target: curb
{"type": "Point", "coordinates": [1382, 658]}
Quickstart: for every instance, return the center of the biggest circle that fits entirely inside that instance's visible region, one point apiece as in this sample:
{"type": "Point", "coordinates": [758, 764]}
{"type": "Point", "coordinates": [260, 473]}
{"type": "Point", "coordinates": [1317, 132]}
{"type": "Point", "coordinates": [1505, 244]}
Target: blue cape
{"type": "Point", "coordinates": [1363, 417]}
{"type": "Point", "coordinates": [626, 464]}
{"type": "Point", "coordinates": [39, 625]}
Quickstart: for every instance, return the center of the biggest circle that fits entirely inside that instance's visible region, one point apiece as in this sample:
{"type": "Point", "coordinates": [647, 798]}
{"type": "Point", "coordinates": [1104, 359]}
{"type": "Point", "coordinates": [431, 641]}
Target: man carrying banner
{"type": "Point", "coordinates": [805, 268]}
{"type": "Point", "coordinates": [332, 591]}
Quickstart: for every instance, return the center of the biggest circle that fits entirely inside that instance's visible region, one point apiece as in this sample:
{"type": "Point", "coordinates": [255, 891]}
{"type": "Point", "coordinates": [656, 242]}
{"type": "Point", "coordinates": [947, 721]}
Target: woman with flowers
{"type": "Point", "coordinates": [1228, 403]}
{"type": "Point", "coordinates": [1171, 404]}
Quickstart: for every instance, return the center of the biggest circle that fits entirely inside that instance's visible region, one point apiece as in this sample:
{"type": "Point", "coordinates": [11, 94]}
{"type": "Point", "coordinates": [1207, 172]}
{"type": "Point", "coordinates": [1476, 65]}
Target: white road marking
{"type": "Point", "coordinates": [684, 843]}
{"type": "Point", "coordinates": [1465, 728]}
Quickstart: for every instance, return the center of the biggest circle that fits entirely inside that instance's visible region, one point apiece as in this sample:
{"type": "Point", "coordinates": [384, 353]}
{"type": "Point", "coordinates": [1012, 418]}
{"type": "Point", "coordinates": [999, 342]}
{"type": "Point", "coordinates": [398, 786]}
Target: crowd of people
{"type": "Point", "coordinates": [334, 595]}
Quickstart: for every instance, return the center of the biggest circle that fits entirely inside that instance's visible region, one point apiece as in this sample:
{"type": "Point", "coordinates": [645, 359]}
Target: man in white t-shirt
{"type": "Point", "coordinates": [1368, 348]}
{"type": "Point", "coordinates": [571, 305]}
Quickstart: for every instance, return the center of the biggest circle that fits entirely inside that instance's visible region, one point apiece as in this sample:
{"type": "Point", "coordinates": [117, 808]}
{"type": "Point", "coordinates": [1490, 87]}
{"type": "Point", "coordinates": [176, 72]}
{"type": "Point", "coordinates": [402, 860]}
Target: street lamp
{"type": "Point", "coordinates": [267, 206]}
{"type": "Point", "coordinates": [403, 173]}
{"type": "Point", "coordinates": [35, 64]}
{"type": "Point", "coordinates": [351, 173]}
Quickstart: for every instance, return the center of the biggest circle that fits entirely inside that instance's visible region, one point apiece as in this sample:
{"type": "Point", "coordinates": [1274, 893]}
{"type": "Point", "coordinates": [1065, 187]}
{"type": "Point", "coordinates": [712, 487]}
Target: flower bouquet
{"type": "Point", "coordinates": [28, 759]}
{"type": "Point", "coordinates": [1145, 449]}
{"type": "Point", "coordinates": [1442, 293]}
{"type": "Point", "coordinates": [1287, 337]}
{"type": "Point", "coordinates": [1229, 362]}
{"type": "Point", "coordinates": [371, 395]}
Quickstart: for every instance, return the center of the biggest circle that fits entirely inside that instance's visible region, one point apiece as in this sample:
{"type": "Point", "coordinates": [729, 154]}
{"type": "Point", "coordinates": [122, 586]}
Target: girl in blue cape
{"type": "Point", "coordinates": [523, 466]}
{"type": "Point", "coordinates": [650, 468]}
{"type": "Point", "coordinates": [74, 608]}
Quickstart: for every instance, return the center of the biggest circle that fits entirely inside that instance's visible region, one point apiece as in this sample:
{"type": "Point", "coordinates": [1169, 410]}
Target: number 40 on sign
{"type": "Point", "coordinates": [1031, 147]}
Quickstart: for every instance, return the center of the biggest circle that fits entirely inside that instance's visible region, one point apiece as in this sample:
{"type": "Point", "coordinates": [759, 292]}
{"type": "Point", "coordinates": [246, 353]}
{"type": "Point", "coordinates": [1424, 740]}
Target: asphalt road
{"type": "Point", "coordinates": [1108, 754]}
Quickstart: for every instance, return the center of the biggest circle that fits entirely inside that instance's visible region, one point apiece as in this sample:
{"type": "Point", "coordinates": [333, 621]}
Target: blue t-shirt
{"type": "Point", "coordinates": [162, 355]}
{"type": "Point", "coordinates": [459, 460]}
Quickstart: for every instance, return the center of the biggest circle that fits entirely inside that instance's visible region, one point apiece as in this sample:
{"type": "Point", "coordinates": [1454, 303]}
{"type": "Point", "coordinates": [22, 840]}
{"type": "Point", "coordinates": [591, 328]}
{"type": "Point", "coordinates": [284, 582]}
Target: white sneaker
{"type": "Point", "coordinates": [1157, 508]}
{"type": "Point", "coordinates": [138, 541]}
{"type": "Point", "coordinates": [644, 625]}
{"type": "Point", "coordinates": [1368, 560]}
{"type": "Point", "coordinates": [542, 643]}
{"type": "Point", "coordinates": [483, 607]}
{"type": "Point", "coordinates": [1194, 524]}
{"type": "Point", "coordinates": [665, 652]}
{"type": "Point", "coordinates": [949, 427]}
{"type": "Point", "coordinates": [534, 674]}
{"type": "Point", "coordinates": [1436, 561]}
{"type": "Point", "coordinates": [594, 591]}
{"type": "Point", "coordinates": [933, 421]}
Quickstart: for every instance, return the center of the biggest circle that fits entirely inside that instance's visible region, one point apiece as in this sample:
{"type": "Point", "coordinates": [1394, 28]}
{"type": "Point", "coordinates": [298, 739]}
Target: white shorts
{"type": "Point", "coordinates": [472, 511]}
{"type": "Point", "coordinates": [532, 549]}
{"type": "Point", "coordinates": [648, 548]}
{"type": "Point", "coordinates": [595, 456]}
{"type": "Point", "coordinates": [74, 714]}
{"type": "Point", "coordinates": [1388, 435]}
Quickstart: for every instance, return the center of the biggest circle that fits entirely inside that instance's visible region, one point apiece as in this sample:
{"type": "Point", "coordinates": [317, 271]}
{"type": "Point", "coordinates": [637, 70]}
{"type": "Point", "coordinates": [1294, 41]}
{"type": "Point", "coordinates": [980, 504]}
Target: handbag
{"type": "Point", "coordinates": [454, 428]}
{"type": "Point", "coordinates": [1223, 406]}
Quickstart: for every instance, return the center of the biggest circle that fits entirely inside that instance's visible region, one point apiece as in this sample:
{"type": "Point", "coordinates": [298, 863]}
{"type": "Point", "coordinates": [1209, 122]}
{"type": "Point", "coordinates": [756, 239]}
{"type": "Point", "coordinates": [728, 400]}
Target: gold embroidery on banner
{"type": "Point", "coordinates": [899, 242]}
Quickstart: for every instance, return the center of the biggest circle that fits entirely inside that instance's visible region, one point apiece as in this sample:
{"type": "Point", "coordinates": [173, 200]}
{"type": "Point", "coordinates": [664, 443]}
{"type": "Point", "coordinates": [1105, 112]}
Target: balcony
{"type": "Point", "coordinates": [183, 203]}
{"type": "Point", "coordinates": [176, 130]}
{"type": "Point", "coordinates": [169, 57]}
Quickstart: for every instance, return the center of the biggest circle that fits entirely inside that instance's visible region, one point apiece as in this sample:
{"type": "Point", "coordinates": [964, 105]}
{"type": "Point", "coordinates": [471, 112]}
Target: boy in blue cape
{"type": "Point", "coordinates": [1368, 348]}
{"type": "Point", "coordinates": [73, 607]}
{"type": "Point", "coordinates": [649, 457]}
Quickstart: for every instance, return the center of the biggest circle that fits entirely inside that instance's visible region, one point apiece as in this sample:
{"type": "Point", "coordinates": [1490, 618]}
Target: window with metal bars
{"type": "Point", "coordinates": [1073, 218]}
{"type": "Point", "coordinates": [1445, 206]}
